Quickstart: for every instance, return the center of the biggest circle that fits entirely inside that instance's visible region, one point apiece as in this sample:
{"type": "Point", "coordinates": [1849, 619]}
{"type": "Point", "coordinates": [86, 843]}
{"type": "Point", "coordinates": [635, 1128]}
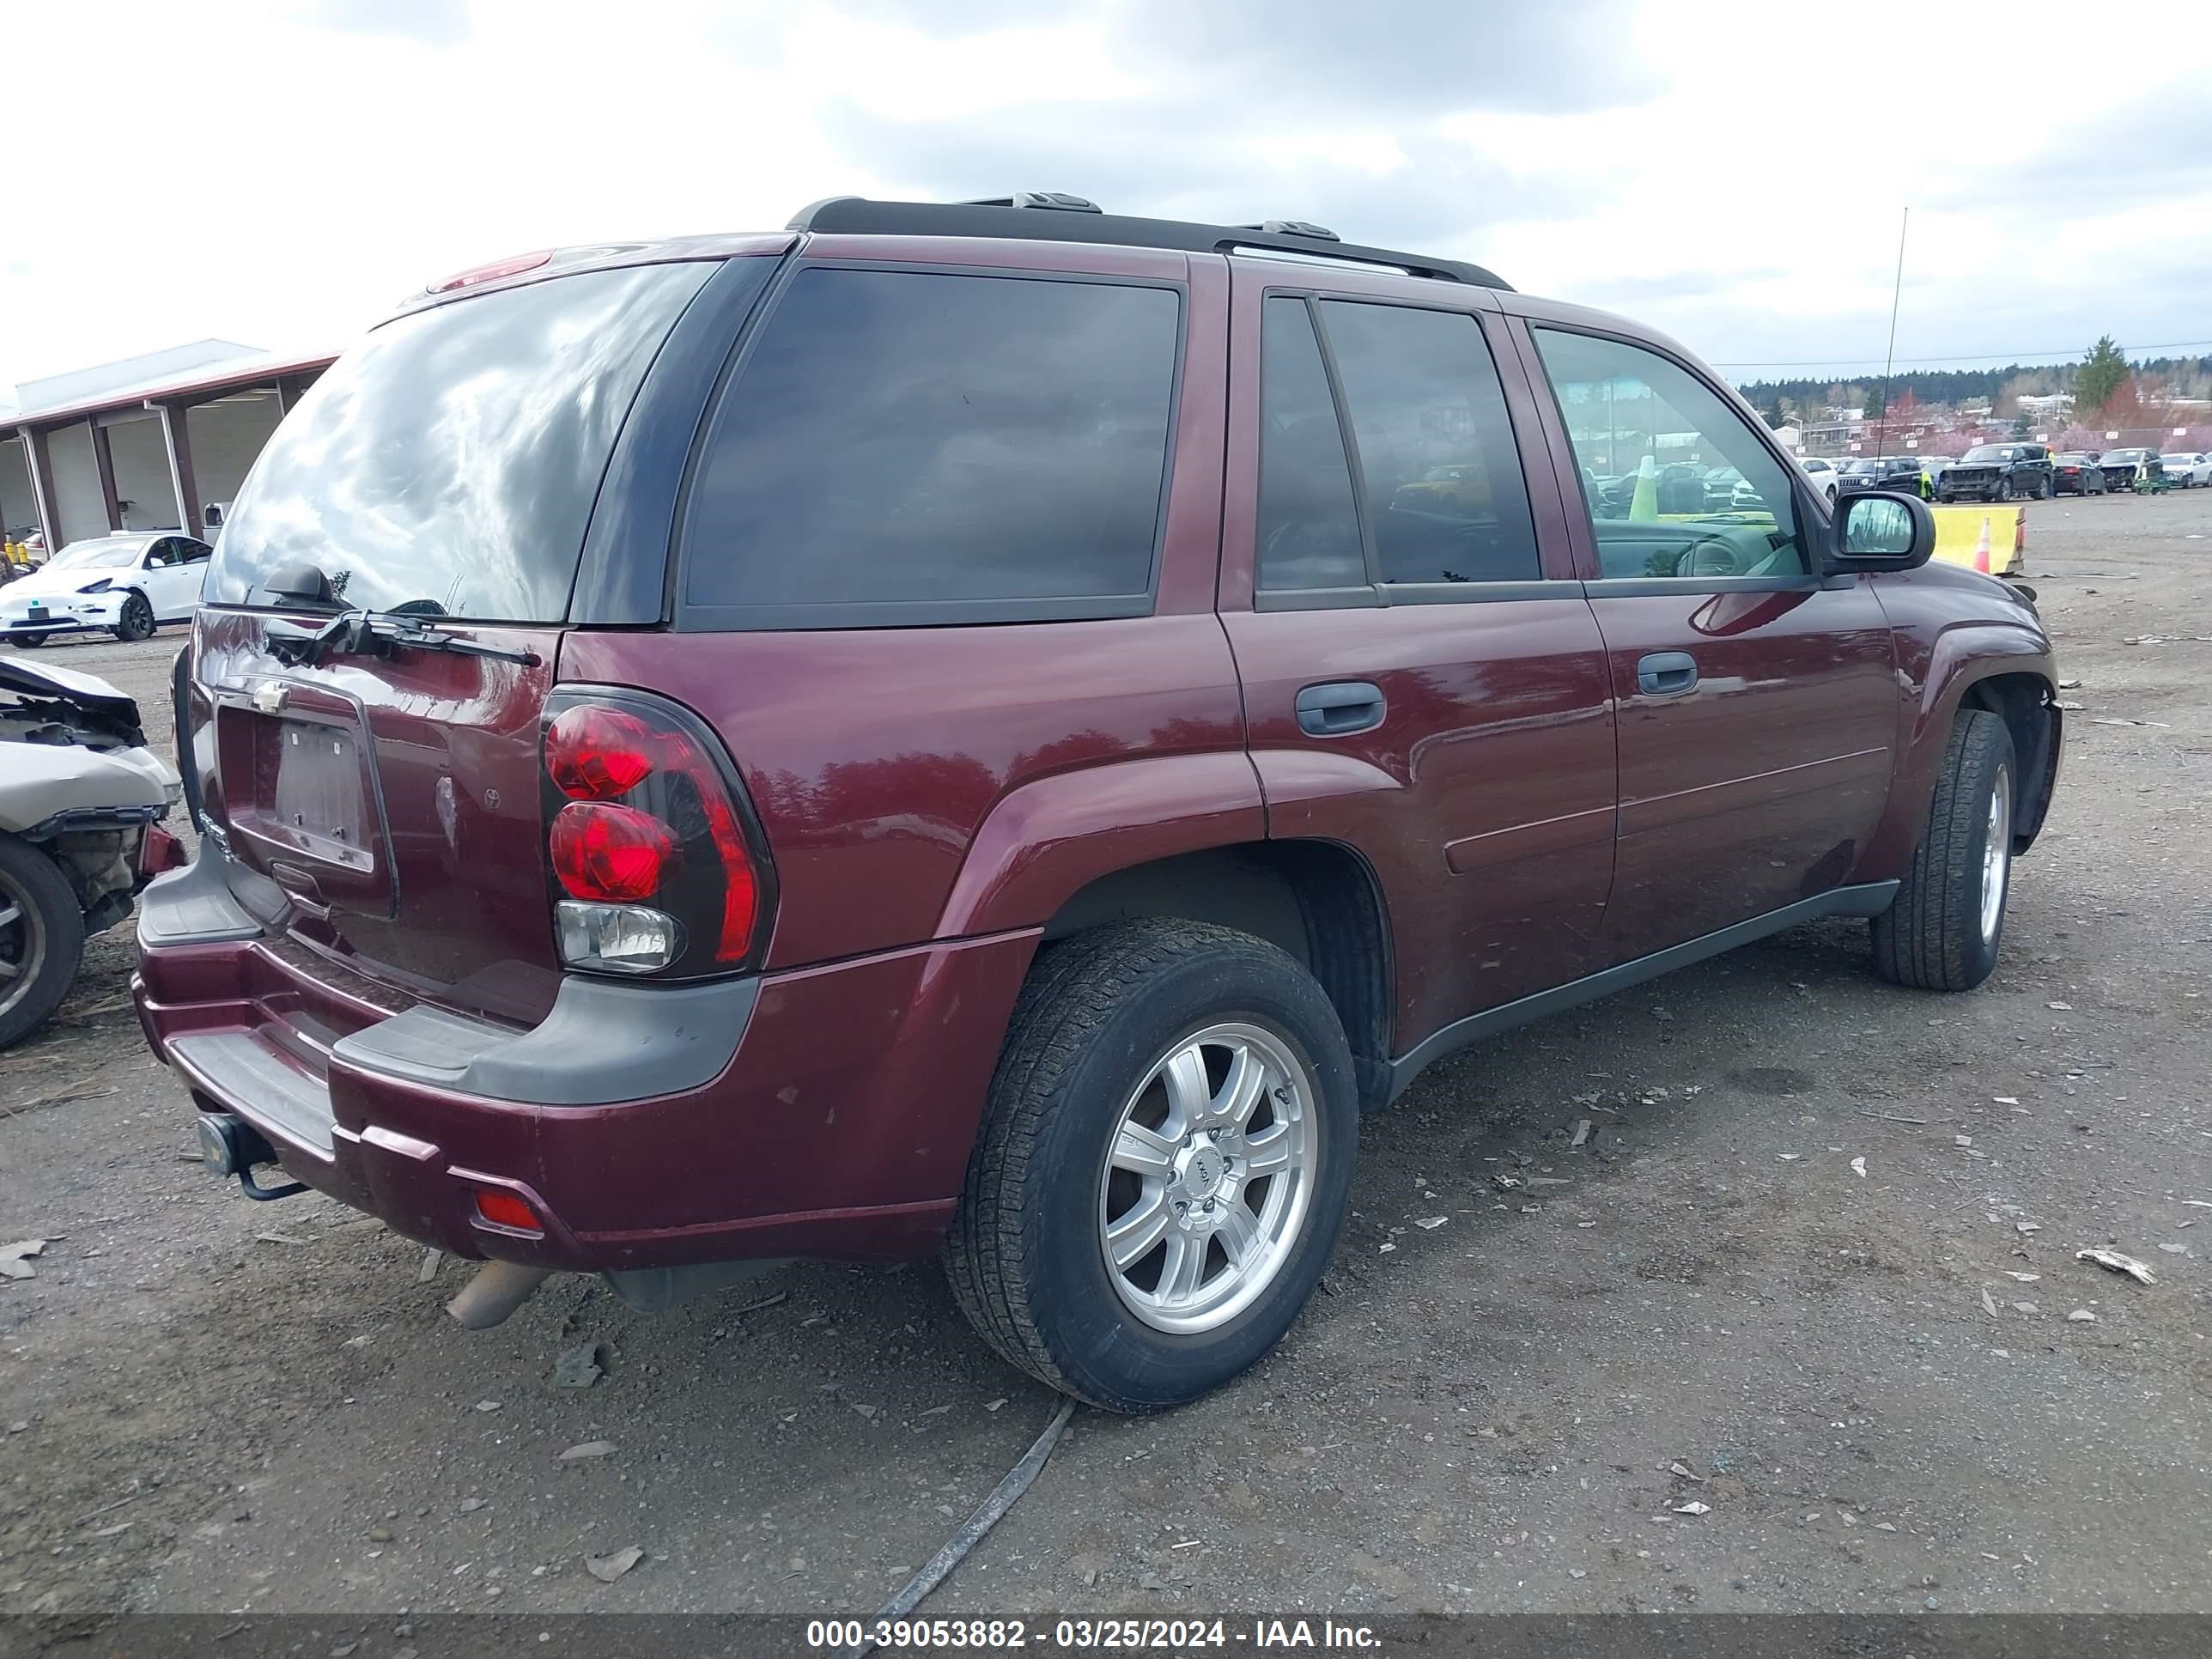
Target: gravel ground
{"type": "Point", "coordinates": [1889, 1391]}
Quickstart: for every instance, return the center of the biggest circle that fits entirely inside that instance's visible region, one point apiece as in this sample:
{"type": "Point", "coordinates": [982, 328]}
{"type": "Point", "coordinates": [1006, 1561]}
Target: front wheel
{"type": "Point", "coordinates": [41, 939]}
{"type": "Point", "coordinates": [1942, 933]}
{"type": "Point", "coordinates": [1163, 1165]}
{"type": "Point", "coordinates": [137, 622]}
{"type": "Point", "coordinates": [27, 641]}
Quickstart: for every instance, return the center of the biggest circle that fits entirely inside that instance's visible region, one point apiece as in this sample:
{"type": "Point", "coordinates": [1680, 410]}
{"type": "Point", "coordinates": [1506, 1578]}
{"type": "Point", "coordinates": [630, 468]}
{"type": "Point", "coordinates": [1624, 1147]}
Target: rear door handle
{"type": "Point", "coordinates": [1340, 709]}
{"type": "Point", "coordinates": [1667, 674]}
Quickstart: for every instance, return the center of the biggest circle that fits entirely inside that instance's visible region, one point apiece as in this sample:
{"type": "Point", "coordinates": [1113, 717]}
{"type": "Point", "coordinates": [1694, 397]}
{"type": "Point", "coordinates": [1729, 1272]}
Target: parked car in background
{"type": "Point", "coordinates": [1823, 473]}
{"type": "Point", "coordinates": [1009, 767]}
{"type": "Point", "coordinates": [126, 585]}
{"type": "Point", "coordinates": [2075, 472]}
{"type": "Point", "coordinates": [1997, 472]}
{"type": "Point", "coordinates": [2125, 468]}
{"type": "Point", "coordinates": [1932, 468]}
{"type": "Point", "coordinates": [2188, 467]}
{"type": "Point", "coordinates": [1882, 473]}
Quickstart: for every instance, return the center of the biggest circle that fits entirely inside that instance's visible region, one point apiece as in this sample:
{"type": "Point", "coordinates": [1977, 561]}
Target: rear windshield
{"type": "Point", "coordinates": [448, 463]}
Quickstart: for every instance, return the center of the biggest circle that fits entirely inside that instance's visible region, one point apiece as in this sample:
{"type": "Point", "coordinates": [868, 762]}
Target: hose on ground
{"type": "Point", "coordinates": [987, 1516]}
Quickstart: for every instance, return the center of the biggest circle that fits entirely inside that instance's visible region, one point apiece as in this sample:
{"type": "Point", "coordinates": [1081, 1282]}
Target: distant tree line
{"type": "Point", "coordinates": [2104, 371]}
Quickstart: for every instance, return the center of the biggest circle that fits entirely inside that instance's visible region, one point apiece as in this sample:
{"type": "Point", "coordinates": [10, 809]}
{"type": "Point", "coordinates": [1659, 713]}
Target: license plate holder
{"type": "Point", "coordinates": [314, 790]}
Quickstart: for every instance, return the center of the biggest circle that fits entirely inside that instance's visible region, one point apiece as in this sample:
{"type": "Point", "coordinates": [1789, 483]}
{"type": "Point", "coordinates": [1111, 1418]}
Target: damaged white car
{"type": "Point", "coordinates": [82, 801]}
{"type": "Point", "coordinates": [127, 584]}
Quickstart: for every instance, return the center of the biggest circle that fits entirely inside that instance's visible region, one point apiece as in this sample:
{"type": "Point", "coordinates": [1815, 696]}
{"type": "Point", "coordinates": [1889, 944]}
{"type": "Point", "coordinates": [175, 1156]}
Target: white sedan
{"type": "Point", "coordinates": [2187, 468]}
{"type": "Point", "coordinates": [125, 584]}
{"type": "Point", "coordinates": [1826, 479]}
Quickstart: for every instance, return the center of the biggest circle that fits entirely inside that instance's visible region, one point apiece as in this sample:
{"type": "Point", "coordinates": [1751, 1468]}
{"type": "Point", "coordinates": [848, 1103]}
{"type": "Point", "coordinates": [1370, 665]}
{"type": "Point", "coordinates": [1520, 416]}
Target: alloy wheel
{"type": "Point", "coordinates": [1209, 1177]}
{"type": "Point", "coordinates": [1996, 854]}
{"type": "Point", "coordinates": [22, 943]}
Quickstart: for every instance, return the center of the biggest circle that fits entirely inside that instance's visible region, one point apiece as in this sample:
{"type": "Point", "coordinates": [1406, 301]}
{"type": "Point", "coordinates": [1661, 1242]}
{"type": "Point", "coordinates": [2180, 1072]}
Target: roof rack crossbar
{"type": "Point", "coordinates": [1008, 217]}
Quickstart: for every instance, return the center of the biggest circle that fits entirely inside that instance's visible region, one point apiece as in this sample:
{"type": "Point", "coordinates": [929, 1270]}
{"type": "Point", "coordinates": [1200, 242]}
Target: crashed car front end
{"type": "Point", "coordinates": [77, 780]}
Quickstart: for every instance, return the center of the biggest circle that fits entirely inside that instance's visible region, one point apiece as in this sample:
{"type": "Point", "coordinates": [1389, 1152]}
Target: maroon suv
{"type": "Point", "coordinates": [999, 728]}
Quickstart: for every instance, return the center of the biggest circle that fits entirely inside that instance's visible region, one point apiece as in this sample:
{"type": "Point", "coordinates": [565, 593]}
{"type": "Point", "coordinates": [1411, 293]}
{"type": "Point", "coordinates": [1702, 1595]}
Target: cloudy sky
{"type": "Point", "coordinates": [278, 173]}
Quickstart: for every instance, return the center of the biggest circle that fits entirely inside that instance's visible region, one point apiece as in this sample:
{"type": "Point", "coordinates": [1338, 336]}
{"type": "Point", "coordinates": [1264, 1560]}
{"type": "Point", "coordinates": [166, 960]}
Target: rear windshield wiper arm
{"type": "Point", "coordinates": [371, 634]}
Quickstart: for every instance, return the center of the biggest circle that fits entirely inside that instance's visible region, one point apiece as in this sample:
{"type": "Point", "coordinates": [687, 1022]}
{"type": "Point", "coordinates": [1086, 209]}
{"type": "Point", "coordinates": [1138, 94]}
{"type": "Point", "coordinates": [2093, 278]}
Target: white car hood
{"type": "Point", "coordinates": [44, 584]}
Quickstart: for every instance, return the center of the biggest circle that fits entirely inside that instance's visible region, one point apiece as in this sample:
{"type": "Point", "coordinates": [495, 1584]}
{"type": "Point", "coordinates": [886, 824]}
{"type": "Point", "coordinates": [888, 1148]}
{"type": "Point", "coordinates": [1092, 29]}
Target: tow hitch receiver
{"type": "Point", "coordinates": [231, 1147]}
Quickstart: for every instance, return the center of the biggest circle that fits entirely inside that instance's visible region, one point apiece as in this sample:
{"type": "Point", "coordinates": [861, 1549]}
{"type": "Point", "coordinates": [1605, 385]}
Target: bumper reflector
{"type": "Point", "coordinates": [506, 1210]}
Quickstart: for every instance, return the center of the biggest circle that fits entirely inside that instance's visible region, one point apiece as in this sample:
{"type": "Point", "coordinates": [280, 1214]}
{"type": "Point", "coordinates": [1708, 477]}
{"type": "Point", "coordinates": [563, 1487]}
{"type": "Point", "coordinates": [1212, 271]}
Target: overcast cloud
{"type": "Point", "coordinates": [279, 174]}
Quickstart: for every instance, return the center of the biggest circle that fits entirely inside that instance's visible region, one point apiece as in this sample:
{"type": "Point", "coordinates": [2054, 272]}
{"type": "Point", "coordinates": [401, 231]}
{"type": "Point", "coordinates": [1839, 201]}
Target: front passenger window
{"type": "Point", "coordinates": [1683, 488]}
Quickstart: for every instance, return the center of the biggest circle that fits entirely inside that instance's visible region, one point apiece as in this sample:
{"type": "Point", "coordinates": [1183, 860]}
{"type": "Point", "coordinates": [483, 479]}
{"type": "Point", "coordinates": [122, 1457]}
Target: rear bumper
{"type": "Point", "coordinates": [827, 1112]}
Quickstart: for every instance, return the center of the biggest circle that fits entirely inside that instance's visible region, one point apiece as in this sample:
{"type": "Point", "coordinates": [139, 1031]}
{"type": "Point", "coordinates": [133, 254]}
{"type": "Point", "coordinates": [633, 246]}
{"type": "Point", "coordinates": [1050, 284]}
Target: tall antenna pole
{"type": "Point", "coordinates": [1896, 294]}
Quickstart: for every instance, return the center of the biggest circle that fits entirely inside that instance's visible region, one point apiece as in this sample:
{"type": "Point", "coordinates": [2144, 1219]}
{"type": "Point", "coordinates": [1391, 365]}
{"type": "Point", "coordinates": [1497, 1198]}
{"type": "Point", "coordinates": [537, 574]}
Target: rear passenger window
{"type": "Point", "coordinates": [1309, 520]}
{"type": "Point", "coordinates": [1445, 498]}
{"type": "Point", "coordinates": [900, 444]}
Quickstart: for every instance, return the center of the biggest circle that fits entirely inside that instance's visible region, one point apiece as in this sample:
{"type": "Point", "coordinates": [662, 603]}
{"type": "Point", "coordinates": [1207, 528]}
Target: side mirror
{"type": "Point", "coordinates": [1881, 530]}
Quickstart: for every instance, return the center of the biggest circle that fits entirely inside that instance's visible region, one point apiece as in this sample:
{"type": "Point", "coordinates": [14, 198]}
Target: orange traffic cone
{"type": "Point", "coordinates": [1982, 548]}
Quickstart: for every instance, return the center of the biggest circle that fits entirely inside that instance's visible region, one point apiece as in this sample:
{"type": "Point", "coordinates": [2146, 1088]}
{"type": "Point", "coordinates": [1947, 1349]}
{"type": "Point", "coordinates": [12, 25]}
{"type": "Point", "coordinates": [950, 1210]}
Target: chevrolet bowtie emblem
{"type": "Point", "coordinates": [269, 696]}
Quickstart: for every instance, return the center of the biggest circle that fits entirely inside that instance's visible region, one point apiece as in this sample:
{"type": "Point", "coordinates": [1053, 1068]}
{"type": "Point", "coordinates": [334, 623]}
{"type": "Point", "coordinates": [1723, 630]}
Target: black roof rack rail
{"type": "Point", "coordinates": [1075, 219]}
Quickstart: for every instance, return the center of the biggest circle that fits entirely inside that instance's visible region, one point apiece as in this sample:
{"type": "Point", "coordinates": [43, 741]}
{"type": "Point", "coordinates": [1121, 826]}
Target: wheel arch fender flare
{"type": "Point", "coordinates": [1963, 656]}
{"type": "Point", "coordinates": [1046, 839]}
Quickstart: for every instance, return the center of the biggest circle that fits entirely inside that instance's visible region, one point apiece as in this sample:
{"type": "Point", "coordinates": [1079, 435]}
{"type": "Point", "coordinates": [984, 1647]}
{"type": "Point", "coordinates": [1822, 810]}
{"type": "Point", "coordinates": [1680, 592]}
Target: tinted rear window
{"type": "Point", "coordinates": [449, 462]}
{"type": "Point", "coordinates": [900, 445]}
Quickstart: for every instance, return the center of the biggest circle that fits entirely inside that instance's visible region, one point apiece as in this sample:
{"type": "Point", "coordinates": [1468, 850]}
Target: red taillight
{"type": "Point", "coordinates": [642, 808]}
{"type": "Point", "coordinates": [598, 754]}
{"type": "Point", "coordinates": [613, 854]}
{"type": "Point", "coordinates": [491, 273]}
{"type": "Point", "coordinates": [506, 1210]}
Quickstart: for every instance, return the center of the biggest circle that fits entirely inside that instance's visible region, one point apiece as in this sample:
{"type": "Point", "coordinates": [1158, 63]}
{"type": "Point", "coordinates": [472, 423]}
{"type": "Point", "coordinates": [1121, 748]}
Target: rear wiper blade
{"type": "Point", "coordinates": [373, 633]}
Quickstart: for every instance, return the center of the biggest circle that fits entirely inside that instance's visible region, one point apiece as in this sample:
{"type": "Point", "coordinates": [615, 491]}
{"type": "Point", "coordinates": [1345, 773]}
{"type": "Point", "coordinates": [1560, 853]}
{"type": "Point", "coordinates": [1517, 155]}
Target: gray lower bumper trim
{"type": "Point", "coordinates": [241, 1070]}
{"type": "Point", "coordinates": [604, 1043]}
{"type": "Point", "coordinates": [192, 906]}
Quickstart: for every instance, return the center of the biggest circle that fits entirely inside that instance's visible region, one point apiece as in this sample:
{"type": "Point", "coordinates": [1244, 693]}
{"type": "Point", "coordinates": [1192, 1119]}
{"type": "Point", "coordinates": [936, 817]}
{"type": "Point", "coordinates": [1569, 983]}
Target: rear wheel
{"type": "Point", "coordinates": [27, 641]}
{"type": "Point", "coordinates": [1943, 931]}
{"type": "Point", "coordinates": [136, 621]}
{"type": "Point", "coordinates": [41, 939]}
{"type": "Point", "coordinates": [1163, 1165]}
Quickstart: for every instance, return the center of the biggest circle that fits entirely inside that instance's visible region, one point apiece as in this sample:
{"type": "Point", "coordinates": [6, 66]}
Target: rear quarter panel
{"type": "Point", "coordinates": [876, 758]}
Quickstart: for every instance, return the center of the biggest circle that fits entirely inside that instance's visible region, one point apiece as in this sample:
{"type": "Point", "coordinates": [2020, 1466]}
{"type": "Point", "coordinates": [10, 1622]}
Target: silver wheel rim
{"type": "Point", "coordinates": [23, 944]}
{"type": "Point", "coordinates": [1997, 855]}
{"type": "Point", "coordinates": [1208, 1177]}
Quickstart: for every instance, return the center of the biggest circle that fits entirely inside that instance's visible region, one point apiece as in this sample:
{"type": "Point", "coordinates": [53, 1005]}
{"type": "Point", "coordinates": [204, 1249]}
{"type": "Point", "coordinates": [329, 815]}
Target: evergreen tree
{"type": "Point", "coordinates": [2102, 374]}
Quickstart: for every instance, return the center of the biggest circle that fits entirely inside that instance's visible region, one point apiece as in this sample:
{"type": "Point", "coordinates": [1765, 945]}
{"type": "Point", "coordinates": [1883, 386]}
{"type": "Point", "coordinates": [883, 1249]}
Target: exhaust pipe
{"type": "Point", "coordinates": [498, 1289]}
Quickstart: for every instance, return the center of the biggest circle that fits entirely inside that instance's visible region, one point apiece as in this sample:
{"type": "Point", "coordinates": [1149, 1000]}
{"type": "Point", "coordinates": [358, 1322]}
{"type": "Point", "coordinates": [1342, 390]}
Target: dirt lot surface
{"type": "Point", "coordinates": [1890, 1390]}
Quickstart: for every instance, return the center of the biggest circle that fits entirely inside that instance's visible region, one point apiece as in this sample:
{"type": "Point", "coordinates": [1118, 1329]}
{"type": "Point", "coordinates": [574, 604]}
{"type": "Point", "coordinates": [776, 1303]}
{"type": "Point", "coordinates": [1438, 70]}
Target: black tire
{"type": "Point", "coordinates": [42, 940]}
{"type": "Point", "coordinates": [1025, 1254]}
{"type": "Point", "coordinates": [136, 621]}
{"type": "Point", "coordinates": [1933, 938]}
{"type": "Point", "coordinates": [27, 641]}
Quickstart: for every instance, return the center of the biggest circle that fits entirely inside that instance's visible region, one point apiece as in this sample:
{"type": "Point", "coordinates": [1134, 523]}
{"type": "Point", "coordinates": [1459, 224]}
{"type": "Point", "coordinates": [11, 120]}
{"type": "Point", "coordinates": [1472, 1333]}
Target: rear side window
{"type": "Point", "coordinates": [905, 446]}
{"type": "Point", "coordinates": [448, 463]}
{"type": "Point", "coordinates": [1444, 496]}
{"type": "Point", "coordinates": [1437, 496]}
{"type": "Point", "coordinates": [1308, 519]}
